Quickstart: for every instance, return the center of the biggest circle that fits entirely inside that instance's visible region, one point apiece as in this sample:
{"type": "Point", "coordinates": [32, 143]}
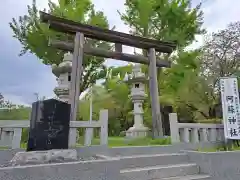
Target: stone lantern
{"type": "Point", "coordinates": [137, 80]}
{"type": "Point", "coordinates": [63, 74]}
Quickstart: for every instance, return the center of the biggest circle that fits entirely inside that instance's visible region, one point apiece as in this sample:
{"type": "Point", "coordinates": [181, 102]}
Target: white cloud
{"type": "Point", "coordinates": [217, 15]}
{"type": "Point", "coordinates": [221, 12]}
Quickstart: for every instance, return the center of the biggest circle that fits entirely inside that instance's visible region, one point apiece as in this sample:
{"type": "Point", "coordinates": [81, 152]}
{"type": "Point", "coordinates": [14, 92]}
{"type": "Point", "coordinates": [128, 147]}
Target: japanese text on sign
{"type": "Point", "coordinates": [230, 106]}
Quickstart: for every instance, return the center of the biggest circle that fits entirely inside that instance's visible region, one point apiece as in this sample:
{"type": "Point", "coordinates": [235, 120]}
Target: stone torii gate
{"type": "Point", "coordinates": [82, 31]}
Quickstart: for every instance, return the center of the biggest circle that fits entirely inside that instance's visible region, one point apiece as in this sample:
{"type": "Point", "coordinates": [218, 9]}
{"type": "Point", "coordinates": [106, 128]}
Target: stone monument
{"type": "Point", "coordinates": [49, 125]}
{"type": "Point", "coordinates": [137, 80]}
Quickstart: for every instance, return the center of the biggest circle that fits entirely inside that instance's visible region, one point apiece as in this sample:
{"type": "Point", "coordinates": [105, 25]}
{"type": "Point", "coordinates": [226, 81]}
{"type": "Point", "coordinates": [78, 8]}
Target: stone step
{"type": "Point", "coordinates": [141, 161]}
{"type": "Point", "coordinates": [158, 172]}
{"type": "Point", "coordinates": [189, 177]}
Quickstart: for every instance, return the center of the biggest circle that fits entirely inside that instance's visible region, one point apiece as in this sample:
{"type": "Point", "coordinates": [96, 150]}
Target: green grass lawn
{"type": "Point", "coordinates": [219, 148]}
{"type": "Point", "coordinates": [121, 141]}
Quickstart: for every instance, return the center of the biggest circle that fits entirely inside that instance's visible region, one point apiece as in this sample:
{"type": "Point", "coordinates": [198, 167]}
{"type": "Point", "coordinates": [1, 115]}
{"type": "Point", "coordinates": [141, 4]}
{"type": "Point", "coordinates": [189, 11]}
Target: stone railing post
{"type": "Point", "coordinates": [213, 135]}
{"type": "Point", "coordinates": [174, 128]}
{"type": "Point", "coordinates": [194, 134]}
{"type": "Point", "coordinates": [103, 118]}
{"type": "Point", "coordinates": [17, 136]}
{"type": "Point", "coordinates": [4, 137]}
{"type": "Point", "coordinates": [220, 134]}
{"type": "Point", "coordinates": [72, 137]}
{"type": "Point", "coordinates": [203, 134]}
{"type": "Point", "coordinates": [7, 136]}
{"type": "Point", "coordinates": [186, 135]}
{"type": "Point", "coordinates": [88, 136]}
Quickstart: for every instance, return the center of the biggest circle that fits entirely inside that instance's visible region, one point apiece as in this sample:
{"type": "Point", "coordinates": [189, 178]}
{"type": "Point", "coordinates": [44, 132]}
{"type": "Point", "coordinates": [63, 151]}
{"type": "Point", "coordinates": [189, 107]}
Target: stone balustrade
{"type": "Point", "coordinates": [194, 132]}
{"type": "Point", "coordinates": [11, 130]}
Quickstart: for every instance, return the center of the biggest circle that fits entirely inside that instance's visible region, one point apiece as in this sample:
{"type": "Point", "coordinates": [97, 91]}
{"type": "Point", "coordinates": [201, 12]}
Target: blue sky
{"type": "Point", "coordinates": [21, 77]}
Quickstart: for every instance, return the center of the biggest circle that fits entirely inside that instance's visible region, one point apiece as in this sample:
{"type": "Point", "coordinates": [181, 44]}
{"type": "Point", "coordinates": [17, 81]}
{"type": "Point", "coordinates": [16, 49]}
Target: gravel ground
{"type": "Point", "coordinates": [89, 158]}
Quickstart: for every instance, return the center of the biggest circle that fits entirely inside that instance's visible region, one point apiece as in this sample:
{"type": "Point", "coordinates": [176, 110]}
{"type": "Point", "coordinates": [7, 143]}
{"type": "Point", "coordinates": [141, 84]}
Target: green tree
{"type": "Point", "coordinates": [34, 36]}
{"type": "Point", "coordinates": [1, 100]}
{"type": "Point", "coordinates": [196, 85]}
{"type": "Point", "coordinates": [184, 88]}
{"type": "Point", "coordinates": [221, 53]}
{"type": "Point", "coordinates": [123, 106]}
{"type": "Point", "coordinates": [101, 100]}
{"type": "Point", "coordinates": [112, 96]}
{"type": "Point", "coordinates": [220, 58]}
{"type": "Point", "coordinates": [10, 111]}
{"type": "Point", "coordinates": [164, 20]}
{"type": "Point", "coordinates": [119, 91]}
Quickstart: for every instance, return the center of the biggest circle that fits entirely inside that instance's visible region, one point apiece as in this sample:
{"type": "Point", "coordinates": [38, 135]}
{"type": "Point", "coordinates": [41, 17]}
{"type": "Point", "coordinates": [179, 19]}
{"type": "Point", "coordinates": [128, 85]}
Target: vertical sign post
{"type": "Point", "coordinates": [230, 107]}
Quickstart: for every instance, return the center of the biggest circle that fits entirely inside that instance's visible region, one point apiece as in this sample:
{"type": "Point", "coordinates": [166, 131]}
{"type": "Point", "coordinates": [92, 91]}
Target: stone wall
{"type": "Point", "coordinates": [94, 170]}
{"type": "Point", "coordinates": [219, 165]}
{"type": "Point", "coordinates": [7, 155]}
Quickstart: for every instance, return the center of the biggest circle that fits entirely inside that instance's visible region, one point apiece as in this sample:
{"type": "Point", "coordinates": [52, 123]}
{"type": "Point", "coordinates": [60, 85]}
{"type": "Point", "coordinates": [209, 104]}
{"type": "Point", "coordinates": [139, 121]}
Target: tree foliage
{"type": "Point", "coordinates": [34, 36]}
{"type": "Point", "coordinates": [164, 20]}
{"type": "Point", "coordinates": [183, 87]}
{"type": "Point", "coordinates": [112, 95]}
{"type": "Point", "coordinates": [219, 58]}
{"type": "Point", "coordinates": [221, 55]}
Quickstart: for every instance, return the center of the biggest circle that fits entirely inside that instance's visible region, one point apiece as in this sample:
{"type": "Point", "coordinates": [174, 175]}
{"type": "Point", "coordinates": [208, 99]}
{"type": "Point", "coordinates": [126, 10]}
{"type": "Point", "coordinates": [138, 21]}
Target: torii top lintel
{"type": "Point", "coordinates": [68, 26]}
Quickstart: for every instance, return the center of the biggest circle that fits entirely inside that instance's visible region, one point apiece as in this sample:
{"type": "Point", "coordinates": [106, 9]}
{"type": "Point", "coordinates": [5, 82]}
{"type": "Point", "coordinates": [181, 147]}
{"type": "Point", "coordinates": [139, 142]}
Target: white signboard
{"type": "Point", "coordinates": [230, 106]}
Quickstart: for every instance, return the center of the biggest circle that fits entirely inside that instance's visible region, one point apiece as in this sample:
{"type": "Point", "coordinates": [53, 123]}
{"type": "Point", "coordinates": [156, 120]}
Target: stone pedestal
{"type": "Point", "coordinates": [43, 157]}
{"type": "Point", "coordinates": [138, 129]}
{"type": "Point", "coordinates": [49, 125]}
{"type": "Point", "coordinates": [137, 132]}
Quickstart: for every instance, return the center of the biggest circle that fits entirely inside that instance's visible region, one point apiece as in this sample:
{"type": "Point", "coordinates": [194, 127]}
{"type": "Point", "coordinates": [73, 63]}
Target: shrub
{"type": "Point", "coordinates": [25, 132]}
{"type": "Point", "coordinates": [210, 121]}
